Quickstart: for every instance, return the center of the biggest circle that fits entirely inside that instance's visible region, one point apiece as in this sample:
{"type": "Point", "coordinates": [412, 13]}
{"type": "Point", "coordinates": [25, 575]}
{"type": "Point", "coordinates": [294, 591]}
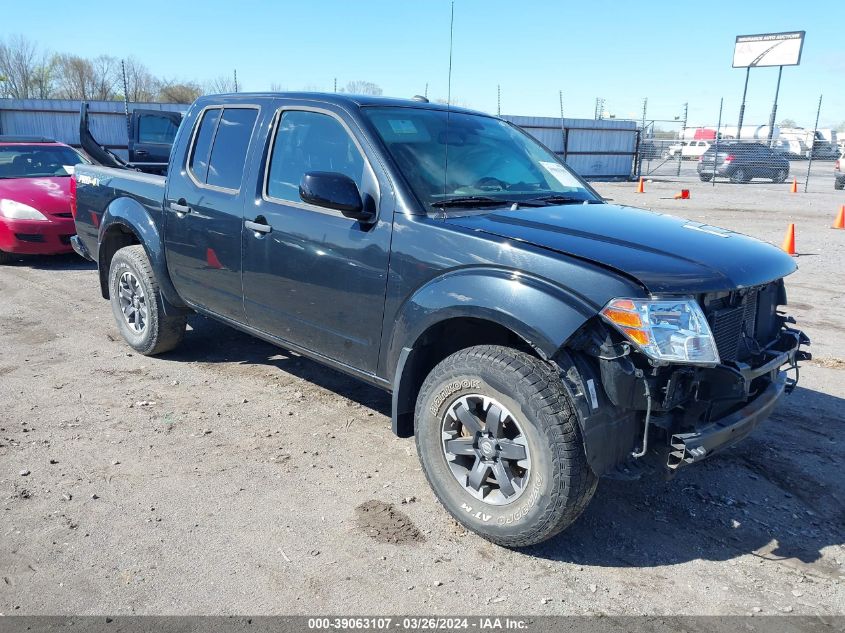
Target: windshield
{"type": "Point", "coordinates": [477, 160]}
{"type": "Point", "coordinates": [31, 161]}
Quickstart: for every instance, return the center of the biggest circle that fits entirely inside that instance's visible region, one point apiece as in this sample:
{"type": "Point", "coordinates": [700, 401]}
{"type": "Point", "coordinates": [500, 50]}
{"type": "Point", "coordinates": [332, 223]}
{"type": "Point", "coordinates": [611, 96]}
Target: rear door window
{"type": "Point", "coordinates": [198, 164]}
{"type": "Point", "coordinates": [220, 146]}
{"type": "Point", "coordinates": [228, 154]}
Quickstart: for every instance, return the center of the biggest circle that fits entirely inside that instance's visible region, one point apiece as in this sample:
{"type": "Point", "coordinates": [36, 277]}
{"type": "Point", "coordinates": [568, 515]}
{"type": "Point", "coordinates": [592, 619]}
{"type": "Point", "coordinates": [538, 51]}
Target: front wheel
{"type": "Point", "coordinates": [739, 176]}
{"type": "Point", "coordinates": [500, 445]}
{"type": "Point", "coordinates": [138, 306]}
{"type": "Point", "coordinates": [837, 184]}
{"type": "Point", "coordinates": [705, 177]}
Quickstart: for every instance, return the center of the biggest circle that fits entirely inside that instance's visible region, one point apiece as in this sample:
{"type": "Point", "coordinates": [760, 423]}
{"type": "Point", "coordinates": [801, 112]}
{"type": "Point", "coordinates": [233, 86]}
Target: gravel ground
{"type": "Point", "coordinates": [234, 477]}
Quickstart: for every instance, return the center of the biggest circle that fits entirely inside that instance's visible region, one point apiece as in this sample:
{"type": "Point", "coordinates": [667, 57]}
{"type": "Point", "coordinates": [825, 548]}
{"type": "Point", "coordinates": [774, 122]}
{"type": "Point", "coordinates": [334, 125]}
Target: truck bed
{"type": "Point", "coordinates": [99, 187]}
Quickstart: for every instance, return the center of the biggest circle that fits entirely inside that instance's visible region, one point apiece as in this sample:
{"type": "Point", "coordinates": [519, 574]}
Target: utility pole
{"type": "Point", "coordinates": [813, 146]}
{"type": "Point", "coordinates": [126, 101]}
{"type": "Point", "coordinates": [236, 79]}
{"type": "Point", "coordinates": [425, 94]}
{"type": "Point", "coordinates": [645, 109]}
{"type": "Point", "coordinates": [499, 100]}
{"type": "Point", "coordinates": [562, 127]}
{"type": "Point", "coordinates": [335, 84]}
{"type": "Point", "coordinates": [681, 136]}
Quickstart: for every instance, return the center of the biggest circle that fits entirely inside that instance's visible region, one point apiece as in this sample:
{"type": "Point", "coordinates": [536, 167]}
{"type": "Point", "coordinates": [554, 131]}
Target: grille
{"type": "Point", "coordinates": [29, 237]}
{"type": "Point", "coordinates": [65, 239]}
{"type": "Point", "coordinates": [734, 325]}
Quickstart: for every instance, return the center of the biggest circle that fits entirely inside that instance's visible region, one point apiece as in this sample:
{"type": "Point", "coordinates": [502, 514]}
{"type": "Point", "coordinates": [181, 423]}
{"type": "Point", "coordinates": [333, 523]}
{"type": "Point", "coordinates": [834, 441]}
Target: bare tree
{"type": "Point", "coordinates": [18, 64]}
{"type": "Point", "coordinates": [105, 77]}
{"type": "Point", "coordinates": [221, 85]}
{"type": "Point", "coordinates": [277, 87]}
{"type": "Point", "coordinates": [179, 92]}
{"type": "Point", "coordinates": [141, 84]}
{"type": "Point", "coordinates": [75, 77]}
{"type": "Point", "coordinates": [44, 78]}
{"type": "Point", "coordinates": [360, 87]}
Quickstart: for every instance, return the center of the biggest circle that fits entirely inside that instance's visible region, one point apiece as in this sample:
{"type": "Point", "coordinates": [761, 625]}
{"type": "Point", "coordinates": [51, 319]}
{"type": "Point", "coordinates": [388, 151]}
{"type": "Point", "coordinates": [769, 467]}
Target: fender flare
{"type": "Point", "coordinates": [543, 314]}
{"type": "Point", "coordinates": [132, 216]}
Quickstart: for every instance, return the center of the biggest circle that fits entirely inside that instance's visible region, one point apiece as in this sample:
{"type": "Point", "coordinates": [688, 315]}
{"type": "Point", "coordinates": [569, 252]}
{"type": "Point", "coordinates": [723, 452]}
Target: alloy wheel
{"type": "Point", "coordinates": [486, 449]}
{"type": "Point", "coordinates": [133, 302]}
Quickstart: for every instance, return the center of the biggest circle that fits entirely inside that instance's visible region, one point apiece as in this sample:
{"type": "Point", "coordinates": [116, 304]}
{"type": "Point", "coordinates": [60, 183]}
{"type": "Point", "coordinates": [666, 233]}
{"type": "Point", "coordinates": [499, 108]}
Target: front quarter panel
{"type": "Point", "coordinates": [441, 272]}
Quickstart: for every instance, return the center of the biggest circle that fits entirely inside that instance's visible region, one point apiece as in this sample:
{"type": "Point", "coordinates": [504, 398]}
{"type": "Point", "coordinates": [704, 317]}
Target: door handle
{"type": "Point", "coordinates": [141, 152]}
{"type": "Point", "coordinates": [258, 227]}
{"type": "Point", "coordinates": [180, 208]}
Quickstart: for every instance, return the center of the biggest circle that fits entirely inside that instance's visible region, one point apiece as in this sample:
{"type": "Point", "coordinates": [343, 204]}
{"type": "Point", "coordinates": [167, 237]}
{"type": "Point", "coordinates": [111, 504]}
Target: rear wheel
{"type": "Point", "coordinates": [780, 176]}
{"type": "Point", "coordinates": [705, 177]}
{"type": "Point", "coordinates": [837, 184]}
{"type": "Point", "coordinates": [137, 304]}
{"type": "Point", "coordinates": [500, 444]}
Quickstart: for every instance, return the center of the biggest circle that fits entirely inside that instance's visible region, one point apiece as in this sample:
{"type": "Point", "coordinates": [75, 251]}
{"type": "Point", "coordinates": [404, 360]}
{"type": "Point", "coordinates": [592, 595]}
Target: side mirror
{"type": "Point", "coordinates": [334, 191]}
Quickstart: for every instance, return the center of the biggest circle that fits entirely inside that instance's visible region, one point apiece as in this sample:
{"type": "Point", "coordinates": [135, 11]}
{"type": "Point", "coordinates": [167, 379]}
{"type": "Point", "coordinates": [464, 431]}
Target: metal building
{"type": "Point", "coordinates": [594, 148]}
{"type": "Point", "coordinates": [598, 149]}
{"type": "Point", "coordinates": [58, 119]}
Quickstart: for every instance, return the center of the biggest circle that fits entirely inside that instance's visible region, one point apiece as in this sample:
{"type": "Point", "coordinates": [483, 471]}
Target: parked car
{"type": "Point", "coordinates": [35, 212]}
{"type": "Point", "coordinates": [742, 162]}
{"type": "Point", "coordinates": [534, 337]}
{"type": "Point", "coordinates": [688, 149]}
{"type": "Point", "coordinates": [839, 171]}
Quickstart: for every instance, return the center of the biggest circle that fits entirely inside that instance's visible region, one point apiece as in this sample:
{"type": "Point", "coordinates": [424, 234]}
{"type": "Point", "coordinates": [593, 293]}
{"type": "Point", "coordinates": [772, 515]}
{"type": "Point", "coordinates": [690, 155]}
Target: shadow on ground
{"type": "Point", "coordinates": [66, 261]}
{"type": "Point", "coordinates": [778, 494]}
{"type": "Point", "coordinates": [209, 341]}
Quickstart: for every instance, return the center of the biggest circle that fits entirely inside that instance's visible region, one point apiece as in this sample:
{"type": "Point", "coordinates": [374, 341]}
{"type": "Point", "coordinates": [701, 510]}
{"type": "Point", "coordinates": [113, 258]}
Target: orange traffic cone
{"type": "Point", "coordinates": [794, 185]}
{"type": "Point", "coordinates": [839, 222]}
{"type": "Point", "coordinates": [641, 186]}
{"type": "Point", "coordinates": [788, 245]}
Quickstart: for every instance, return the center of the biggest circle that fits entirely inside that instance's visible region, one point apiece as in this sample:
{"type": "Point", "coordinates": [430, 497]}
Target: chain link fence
{"type": "Point", "coordinates": [717, 153]}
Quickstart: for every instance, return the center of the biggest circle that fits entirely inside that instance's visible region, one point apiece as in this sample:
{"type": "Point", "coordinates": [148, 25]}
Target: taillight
{"type": "Point", "coordinates": [729, 158]}
{"type": "Point", "coordinates": [836, 166]}
{"type": "Point", "coordinates": [73, 196]}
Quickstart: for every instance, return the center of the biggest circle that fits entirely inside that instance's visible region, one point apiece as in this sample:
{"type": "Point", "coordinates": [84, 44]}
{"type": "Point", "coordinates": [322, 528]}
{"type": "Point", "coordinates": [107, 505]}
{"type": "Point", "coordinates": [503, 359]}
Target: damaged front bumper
{"type": "Point", "coordinates": [688, 413]}
{"type": "Point", "coordinates": [691, 447]}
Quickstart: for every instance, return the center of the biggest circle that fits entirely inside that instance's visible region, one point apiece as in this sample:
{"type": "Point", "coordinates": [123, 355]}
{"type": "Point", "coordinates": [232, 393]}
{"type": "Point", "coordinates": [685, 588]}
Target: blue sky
{"type": "Point", "coordinates": [670, 52]}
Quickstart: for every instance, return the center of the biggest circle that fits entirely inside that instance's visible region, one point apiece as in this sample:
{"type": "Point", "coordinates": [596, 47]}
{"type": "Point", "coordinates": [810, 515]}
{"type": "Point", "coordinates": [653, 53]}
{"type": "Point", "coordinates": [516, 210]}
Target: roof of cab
{"type": "Point", "coordinates": [341, 99]}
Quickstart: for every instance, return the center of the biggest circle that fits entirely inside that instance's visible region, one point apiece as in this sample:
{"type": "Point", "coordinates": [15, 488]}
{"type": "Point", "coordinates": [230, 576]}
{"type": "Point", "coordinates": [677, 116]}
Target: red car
{"type": "Point", "coordinates": [35, 201]}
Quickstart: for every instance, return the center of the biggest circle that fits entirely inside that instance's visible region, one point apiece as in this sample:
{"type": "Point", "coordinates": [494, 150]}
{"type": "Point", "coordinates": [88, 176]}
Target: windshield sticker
{"type": "Point", "coordinates": [402, 126]}
{"type": "Point", "coordinates": [561, 175]}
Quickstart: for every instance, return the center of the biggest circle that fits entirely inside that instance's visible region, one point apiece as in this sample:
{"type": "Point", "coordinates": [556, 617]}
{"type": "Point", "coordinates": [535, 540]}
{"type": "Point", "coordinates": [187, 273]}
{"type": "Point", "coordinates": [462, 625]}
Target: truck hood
{"type": "Point", "coordinates": [664, 253]}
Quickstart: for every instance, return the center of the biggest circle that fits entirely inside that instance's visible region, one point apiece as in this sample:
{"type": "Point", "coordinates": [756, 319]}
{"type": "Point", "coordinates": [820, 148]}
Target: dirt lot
{"type": "Point", "coordinates": [233, 477]}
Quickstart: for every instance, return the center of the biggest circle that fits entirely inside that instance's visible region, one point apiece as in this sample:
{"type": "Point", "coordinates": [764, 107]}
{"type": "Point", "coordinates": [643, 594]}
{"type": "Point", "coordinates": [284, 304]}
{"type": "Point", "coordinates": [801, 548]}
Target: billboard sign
{"type": "Point", "coordinates": [768, 49]}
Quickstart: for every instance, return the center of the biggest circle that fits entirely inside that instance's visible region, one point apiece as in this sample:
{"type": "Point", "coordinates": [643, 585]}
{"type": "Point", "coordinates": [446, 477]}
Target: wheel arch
{"type": "Point", "coordinates": [475, 307]}
{"type": "Point", "coordinates": [128, 222]}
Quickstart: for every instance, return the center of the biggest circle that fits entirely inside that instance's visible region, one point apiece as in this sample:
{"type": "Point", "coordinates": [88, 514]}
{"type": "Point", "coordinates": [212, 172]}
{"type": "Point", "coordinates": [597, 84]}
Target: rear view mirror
{"type": "Point", "coordinates": [334, 191]}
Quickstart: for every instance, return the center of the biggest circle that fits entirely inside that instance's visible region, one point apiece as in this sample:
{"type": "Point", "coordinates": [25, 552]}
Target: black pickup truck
{"type": "Point", "coordinates": [534, 337]}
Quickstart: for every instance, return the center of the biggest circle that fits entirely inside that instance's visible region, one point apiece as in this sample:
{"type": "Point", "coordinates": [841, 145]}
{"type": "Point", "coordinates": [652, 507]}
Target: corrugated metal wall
{"type": "Point", "coordinates": [604, 148]}
{"type": "Point", "coordinates": [59, 119]}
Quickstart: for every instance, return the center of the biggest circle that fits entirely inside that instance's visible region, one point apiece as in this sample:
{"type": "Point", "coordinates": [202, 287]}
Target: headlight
{"type": "Point", "coordinates": [14, 210]}
{"type": "Point", "coordinates": [666, 330]}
